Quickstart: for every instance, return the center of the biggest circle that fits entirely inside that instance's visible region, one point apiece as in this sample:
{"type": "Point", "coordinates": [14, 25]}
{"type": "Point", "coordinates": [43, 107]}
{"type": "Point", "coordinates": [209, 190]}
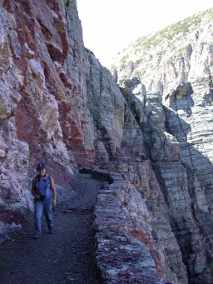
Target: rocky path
{"type": "Point", "coordinates": [65, 257]}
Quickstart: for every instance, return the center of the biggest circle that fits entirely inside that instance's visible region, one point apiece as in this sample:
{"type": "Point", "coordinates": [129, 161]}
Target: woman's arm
{"type": "Point", "coordinates": [33, 189]}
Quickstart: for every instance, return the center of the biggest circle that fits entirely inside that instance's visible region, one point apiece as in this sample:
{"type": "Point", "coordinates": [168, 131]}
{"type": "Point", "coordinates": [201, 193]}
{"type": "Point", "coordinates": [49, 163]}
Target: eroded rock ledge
{"type": "Point", "coordinates": [126, 251]}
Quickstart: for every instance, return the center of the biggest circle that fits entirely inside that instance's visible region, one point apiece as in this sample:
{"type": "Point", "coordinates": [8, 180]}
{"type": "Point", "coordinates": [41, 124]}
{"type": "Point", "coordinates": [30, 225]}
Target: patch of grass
{"type": "Point", "coordinates": [168, 34]}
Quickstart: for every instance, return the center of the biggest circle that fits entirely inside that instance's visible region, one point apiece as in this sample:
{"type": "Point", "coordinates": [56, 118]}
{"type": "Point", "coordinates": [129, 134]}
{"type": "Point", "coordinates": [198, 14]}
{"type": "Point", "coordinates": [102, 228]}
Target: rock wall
{"type": "Point", "coordinates": [126, 251]}
{"type": "Point", "coordinates": [33, 48]}
{"type": "Point", "coordinates": [132, 214]}
{"type": "Point", "coordinates": [174, 67]}
{"type": "Point", "coordinates": [59, 104]}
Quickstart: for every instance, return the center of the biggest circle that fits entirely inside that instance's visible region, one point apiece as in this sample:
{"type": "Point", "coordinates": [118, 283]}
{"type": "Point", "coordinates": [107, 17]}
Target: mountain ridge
{"type": "Point", "coordinates": [163, 39]}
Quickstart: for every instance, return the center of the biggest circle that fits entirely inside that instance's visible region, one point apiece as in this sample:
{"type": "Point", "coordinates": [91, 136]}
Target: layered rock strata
{"type": "Point", "coordinates": [59, 104]}
{"type": "Point", "coordinates": [175, 70]}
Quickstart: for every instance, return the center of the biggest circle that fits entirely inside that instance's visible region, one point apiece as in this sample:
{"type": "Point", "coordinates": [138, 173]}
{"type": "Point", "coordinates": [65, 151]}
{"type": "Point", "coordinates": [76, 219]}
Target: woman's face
{"type": "Point", "coordinates": [42, 172]}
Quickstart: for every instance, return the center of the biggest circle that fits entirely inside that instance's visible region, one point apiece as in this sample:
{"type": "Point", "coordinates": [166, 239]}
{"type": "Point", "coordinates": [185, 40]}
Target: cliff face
{"type": "Point", "coordinates": [175, 67]}
{"type": "Point", "coordinates": [59, 104]}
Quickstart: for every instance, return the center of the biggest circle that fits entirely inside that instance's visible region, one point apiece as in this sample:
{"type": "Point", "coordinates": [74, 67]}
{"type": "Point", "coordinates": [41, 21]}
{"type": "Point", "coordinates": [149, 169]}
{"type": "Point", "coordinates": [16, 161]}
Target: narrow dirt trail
{"type": "Point", "coordinates": [65, 257]}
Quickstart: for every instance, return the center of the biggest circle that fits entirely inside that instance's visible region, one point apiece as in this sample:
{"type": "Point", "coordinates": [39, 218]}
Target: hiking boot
{"type": "Point", "coordinates": [50, 231]}
{"type": "Point", "coordinates": [37, 235]}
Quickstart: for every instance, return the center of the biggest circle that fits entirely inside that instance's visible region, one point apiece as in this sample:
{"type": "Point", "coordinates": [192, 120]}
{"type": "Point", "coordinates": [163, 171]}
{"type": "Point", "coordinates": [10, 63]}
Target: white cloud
{"type": "Point", "coordinates": [111, 25]}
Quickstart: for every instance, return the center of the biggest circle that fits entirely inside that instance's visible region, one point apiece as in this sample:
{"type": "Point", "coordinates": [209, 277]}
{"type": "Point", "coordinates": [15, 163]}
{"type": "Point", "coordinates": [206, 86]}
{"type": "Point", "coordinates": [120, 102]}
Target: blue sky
{"type": "Point", "coordinates": [111, 25]}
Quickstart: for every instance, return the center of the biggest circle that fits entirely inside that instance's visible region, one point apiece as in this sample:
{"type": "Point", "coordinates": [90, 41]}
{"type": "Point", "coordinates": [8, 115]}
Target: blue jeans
{"type": "Point", "coordinates": [43, 208]}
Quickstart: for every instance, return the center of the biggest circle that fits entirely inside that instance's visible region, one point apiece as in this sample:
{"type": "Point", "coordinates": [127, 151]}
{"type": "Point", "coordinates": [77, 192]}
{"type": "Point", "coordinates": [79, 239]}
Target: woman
{"type": "Point", "coordinates": [44, 193]}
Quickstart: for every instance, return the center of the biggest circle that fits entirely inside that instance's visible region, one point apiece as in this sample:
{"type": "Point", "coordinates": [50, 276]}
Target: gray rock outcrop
{"type": "Point", "coordinates": [152, 135]}
{"type": "Point", "coordinates": [175, 67]}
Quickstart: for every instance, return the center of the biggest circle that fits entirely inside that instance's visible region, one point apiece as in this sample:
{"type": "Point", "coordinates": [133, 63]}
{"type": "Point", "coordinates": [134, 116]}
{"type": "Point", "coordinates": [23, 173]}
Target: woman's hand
{"type": "Point", "coordinates": [54, 202]}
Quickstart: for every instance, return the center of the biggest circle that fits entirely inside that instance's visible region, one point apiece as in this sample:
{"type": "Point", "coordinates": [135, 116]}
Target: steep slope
{"type": "Point", "coordinates": [58, 103]}
{"type": "Point", "coordinates": [45, 113]}
{"type": "Point", "coordinates": [175, 66]}
{"type": "Point", "coordinates": [165, 58]}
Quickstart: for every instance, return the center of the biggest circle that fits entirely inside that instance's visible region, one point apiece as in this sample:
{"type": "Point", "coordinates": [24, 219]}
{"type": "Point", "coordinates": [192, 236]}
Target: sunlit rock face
{"type": "Point", "coordinates": [175, 67]}
{"type": "Point", "coordinates": [34, 96]}
{"type": "Point", "coordinates": [59, 104]}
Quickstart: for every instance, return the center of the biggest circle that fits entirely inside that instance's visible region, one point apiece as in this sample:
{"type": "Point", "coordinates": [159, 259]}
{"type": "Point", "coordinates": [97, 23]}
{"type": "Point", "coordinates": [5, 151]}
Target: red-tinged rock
{"type": "Point", "coordinates": [10, 217]}
{"type": "Point", "coordinates": [60, 105]}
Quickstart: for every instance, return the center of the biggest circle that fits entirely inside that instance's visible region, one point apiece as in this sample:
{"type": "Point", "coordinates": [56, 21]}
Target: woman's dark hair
{"type": "Point", "coordinates": [40, 166]}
